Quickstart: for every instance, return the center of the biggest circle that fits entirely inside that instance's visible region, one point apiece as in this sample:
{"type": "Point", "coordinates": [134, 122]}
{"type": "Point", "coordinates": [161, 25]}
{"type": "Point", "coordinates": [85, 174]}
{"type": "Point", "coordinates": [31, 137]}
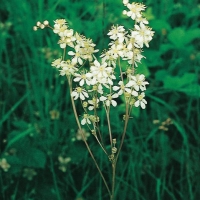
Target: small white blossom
{"type": "Point", "coordinates": [109, 99]}
{"type": "Point", "coordinates": [122, 88]}
{"type": "Point", "coordinates": [79, 93]}
{"type": "Point", "coordinates": [142, 35]}
{"type": "Point", "coordinates": [86, 119]}
{"type": "Point", "coordinates": [117, 33]}
{"type": "Point", "coordinates": [134, 10]}
{"type": "Point", "coordinates": [141, 101]}
{"type": "Point", "coordinates": [76, 55]}
{"type": "Point", "coordinates": [83, 78]}
{"type": "Point", "coordinates": [68, 68]}
{"type": "Point", "coordinates": [57, 63]}
{"type": "Point", "coordinates": [102, 73]}
{"type": "Point", "coordinates": [138, 82]}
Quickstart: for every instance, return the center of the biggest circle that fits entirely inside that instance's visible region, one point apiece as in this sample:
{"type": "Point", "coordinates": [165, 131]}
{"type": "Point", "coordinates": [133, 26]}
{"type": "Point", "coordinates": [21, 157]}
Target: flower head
{"type": "Point", "coordinates": [141, 101]}
{"type": "Point", "coordinates": [134, 10]}
{"type": "Point", "coordinates": [79, 93]}
{"type": "Point", "coordinates": [109, 99]}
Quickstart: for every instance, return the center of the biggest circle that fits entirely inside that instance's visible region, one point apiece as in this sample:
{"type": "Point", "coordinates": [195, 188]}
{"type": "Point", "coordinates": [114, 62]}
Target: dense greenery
{"type": "Point", "coordinates": [42, 156]}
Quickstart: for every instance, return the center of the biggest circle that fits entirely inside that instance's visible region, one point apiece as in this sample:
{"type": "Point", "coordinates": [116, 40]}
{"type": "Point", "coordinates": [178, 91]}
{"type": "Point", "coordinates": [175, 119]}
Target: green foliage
{"type": "Point", "coordinates": [160, 157]}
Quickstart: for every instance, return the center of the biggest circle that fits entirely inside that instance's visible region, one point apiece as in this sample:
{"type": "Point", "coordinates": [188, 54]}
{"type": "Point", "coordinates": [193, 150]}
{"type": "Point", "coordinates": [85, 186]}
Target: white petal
{"type": "Point", "coordinates": [115, 88]}
{"type": "Point", "coordinates": [143, 106]}
{"type": "Point", "coordinates": [134, 93]}
{"type": "Point", "coordinates": [137, 103]}
{"type": "Point", "coordinates": [83, 121]}
{"type": "Point", "coordinates": [102, 98]}
{"type": "Point", "coordinates": [71, 53]}
{"type": "Point", "coordinates": [82, 96]}
{"type": "Point", "coordinates": [114, 103]}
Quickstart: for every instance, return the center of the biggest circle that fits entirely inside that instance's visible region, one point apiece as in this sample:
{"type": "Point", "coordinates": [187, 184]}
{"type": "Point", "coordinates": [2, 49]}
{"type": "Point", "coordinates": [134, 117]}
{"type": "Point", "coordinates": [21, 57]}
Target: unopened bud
{"type": "Point", "coordinates": [38, 23]}
{"type": "Point", "coordinates": [35, 28]}
{"type": "Point", "coordinates": [114, 150]}
{"type": "Point", "coordinates": [46, 23]}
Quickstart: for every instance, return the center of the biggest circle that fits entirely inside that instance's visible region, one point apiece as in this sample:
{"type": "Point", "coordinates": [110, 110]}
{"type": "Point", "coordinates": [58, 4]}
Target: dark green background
{"type": "Point", "coordinates": [156, 163]}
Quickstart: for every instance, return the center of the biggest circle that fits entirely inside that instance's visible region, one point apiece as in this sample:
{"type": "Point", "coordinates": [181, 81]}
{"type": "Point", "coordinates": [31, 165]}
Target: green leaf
{"type": "Point", "coordinates": [32, 157]}
{"type": "Point", "coordinates": [186, 83]}
{"type": "Point", "coordinates": [159, 25]}
{"type": "Point", "coordinates": [143, 69]}
{"type": "Point", "coordinates": [191, 35]}
{"type": "Point", "coordinates": [176, 36]}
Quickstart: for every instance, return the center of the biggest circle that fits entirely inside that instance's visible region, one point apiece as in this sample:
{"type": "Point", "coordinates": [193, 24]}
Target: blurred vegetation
{"type": "Point", "coordinates": [41, 154]}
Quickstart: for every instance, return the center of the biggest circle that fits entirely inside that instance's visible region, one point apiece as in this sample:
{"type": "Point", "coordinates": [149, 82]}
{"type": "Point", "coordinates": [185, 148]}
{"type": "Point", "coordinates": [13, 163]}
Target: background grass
{"type": "Point", "coordinates": [161, 156]}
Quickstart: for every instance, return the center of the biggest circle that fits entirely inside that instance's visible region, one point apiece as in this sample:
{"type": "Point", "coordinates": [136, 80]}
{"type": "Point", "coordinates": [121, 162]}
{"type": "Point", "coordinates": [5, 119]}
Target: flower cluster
{"type": "Point", "coordinates": [99, 84]}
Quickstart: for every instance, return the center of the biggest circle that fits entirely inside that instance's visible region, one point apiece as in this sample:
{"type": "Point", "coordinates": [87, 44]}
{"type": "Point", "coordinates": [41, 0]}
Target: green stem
{"type": "Point", "coordinates": [113, 181]}
{"type": "Point", "coordinates": [109, 126]}
{"type": "Point", "coordinates": [83, 137]}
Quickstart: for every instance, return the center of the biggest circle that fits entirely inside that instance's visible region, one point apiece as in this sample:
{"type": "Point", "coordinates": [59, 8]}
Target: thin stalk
{"type": "Point", "coordinates": [124, 132]}
{"type": "Point", "coordinates": [114, 163]}
{"type": "Point", "coordinates": [109, 126]}
{"type": "Point", "coordinates": [83, 136]}
{"type": "Point", "coordinates": [113, 180]}
{"type": "Point", "coordinates": [54, 179]}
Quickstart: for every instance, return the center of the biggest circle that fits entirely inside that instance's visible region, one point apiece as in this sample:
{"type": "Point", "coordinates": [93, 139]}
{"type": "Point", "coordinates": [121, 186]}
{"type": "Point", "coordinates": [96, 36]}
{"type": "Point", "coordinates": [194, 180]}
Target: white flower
{"type": "Point", "coordinates": [68, 68]}
{"type": "Point", "coordinates": [142, 35]}
{"type": "Point", "coordinates": [101, 73]}
{"type": "Point", "coordinates": [79, 93]}
{"type": "Point", "coordinates": [141, 101]}
{"type": "Point", "coordinates": [134, 10]}
{"type": "Point", "coordinates": [83, 78]}
{"type": "Point", "coordinates": [108, 57]}
{"type": "Point", "coordinates": [109, 99]}
{"type": "Point", "coordinates": [138, 82]}
{"type": "Point", "coordinates": [59, 26]}
{"type": "Point", "coordinates": [64, 41]}
{"type": "Point", "coordinates": [86, 119]}
{"type": "Point", "coordinates": [117, 33]}
{"type": "Point", "coordinates": [122, 88]}
{"type": "Point", "coordinates": [77, 55]}
{"type": "Point", "coordinates": [57, 63]}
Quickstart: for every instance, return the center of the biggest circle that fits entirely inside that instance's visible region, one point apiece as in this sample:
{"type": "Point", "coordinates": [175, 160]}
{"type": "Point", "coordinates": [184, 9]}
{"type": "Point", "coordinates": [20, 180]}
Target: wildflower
{"type": "Point", "coordinates": [83, 78]}
{"type": "Point", "coordinates": [67, 40]}
{"type": "Point", "coordinates": [141, 101]}
{"type": "Point", "coordinates": [60, 26]}
{"type": "Point", "coordinates": [76, 55]}
{"type": "Point", "coordinates": [117, 33]}
{"type": "Point", "coordinates": [57, 63]}
{"type": "Point", "coordinates": [134, 10]}
{"type": "Point", "coordinates": [142, 35]}
{"type": "Point", "coordinates": [63, 162]}
{"type": "Point", "coordinates": [109, 99]}
{"type": "Point", "coordinates": [67, 68]}
{"type": "Point", "coordinates": [86, 119]}
{"type": "Point", "coordinates": [79, 93]}
{"type": "Point", "coordinates": [29, 173]}
{"type": "Point", "coordinates": [4, 164]}
{"type": "Point", "coordinates": [101, 73]}
{"type": "Point", "coordinates": [108, 57]}
{"type": "Point", "coordinates": [138, 82]}
{"type": "Point", "coordinates": [122, 88]}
